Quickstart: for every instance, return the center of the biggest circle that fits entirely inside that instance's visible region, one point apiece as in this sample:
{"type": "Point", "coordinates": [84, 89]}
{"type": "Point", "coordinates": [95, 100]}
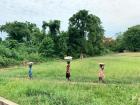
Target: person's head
{"type": "Point", "coordinates": [68, 62]}
{"type": "Point", "coordinates": [30, 63]}
{"type": "Point", "coordinates": [101, 66]}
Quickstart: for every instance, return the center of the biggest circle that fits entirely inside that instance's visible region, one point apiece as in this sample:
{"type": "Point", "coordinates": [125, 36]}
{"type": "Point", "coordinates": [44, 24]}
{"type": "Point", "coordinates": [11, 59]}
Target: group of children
{"type": "Point", "coordinates": [100, 74]}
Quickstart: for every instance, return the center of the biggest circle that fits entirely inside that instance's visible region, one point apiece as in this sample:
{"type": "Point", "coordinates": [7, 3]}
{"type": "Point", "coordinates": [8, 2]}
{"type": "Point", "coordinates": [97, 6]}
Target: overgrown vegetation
{"type": "Point", "coordinates": [84, 38]}
{"type": "Point", "coordinates": [127, 41]}
{"type": "Point", "coordinates": [25, 41]}
{"type": "Point", "coordinates": [49, 86]}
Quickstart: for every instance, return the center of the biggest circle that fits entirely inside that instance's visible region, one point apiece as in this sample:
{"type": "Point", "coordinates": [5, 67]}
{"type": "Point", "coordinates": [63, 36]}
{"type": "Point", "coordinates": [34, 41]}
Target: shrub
{"type": "Point", "coordinates": [47, 47]}
{"type": "Point", "coordinates": [4, 62]}
{"type": "Point", "coordinates": [35, 57]}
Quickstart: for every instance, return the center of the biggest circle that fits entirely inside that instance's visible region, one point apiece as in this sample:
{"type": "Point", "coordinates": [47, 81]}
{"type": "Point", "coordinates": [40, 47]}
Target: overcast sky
{"type": "Point", "coordinates": [116, 15]}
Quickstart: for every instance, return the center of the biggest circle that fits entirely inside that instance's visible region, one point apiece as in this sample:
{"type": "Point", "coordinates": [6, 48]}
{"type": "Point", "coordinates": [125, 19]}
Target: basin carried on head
{"type": "Point", "coordinates": [68, 58]}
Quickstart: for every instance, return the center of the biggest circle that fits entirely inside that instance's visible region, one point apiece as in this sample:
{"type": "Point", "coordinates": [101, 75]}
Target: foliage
{"type": "Point", "coordinates": [129, 40]}
{"type": "Point", "coordinates": [13, 56]}
{"type": "Point", "coordinates": [25, 41]}
{"type": "Point", "coordinates": [4, 62]}
{"type": "Point", "coordinates": [47, 47]}
{"type": "Point", "coordinates": [75, 42]}
{"type": "Point", "coordinates": [22, 32]}
{"type": "Point", "coordinates": [11, 44]}
{"type": "Point", "coordinates": [53, 26]}
{"type": "Point", "coordinates": [61, 44]}
{"type": "Point", "coordinates": [36, 37]}
{"type": "Point", "coordinates": [0, 39]}
{"type": "Point", "coordinates": [119, 43]}
{"type": "Point", "coordinates": [35, 57]}
{"type": "Point", "coordinates": [82, 27]}
{"type": "Point", "coordinates": [132, 38]}
{"type": "Point", "coordinates": [17, 31]}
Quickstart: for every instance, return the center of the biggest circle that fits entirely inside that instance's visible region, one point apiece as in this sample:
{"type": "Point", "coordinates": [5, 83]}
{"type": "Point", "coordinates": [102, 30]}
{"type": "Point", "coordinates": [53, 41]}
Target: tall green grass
{"type": "Point", "coordinates": [49, 86]}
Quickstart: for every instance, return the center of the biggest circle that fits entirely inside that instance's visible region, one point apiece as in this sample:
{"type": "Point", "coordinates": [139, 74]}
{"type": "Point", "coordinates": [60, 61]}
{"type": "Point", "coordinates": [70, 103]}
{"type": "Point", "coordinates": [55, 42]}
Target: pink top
{"type": "Point", "coordinates": [101, 73]}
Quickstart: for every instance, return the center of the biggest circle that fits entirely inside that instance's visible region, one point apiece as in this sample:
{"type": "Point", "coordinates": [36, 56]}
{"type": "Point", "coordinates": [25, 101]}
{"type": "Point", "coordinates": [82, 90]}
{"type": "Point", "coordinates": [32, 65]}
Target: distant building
{"type": "Point", "coordinates": [108, 39]}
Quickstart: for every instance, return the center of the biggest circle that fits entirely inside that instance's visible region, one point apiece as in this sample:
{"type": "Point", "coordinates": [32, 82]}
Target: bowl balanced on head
{"type": "Point", "coordinates": [68, 58]}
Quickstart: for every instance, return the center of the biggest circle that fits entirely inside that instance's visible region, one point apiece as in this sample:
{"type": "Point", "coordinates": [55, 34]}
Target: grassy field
{"type": "Point", "coordinates": [49, 86]}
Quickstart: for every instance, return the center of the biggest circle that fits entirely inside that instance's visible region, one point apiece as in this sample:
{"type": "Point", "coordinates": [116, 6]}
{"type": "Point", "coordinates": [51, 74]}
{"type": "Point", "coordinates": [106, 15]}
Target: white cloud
{"type": "Point", "coordinates": [116, 15]}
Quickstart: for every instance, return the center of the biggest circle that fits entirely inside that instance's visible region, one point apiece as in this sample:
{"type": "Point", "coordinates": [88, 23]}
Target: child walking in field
{"type": "Point", "coordinates": [68, 71]}
{"type": "Point", "coordinates": [30, 70]}
{"type": "Point", "coordinates": [101, 72]}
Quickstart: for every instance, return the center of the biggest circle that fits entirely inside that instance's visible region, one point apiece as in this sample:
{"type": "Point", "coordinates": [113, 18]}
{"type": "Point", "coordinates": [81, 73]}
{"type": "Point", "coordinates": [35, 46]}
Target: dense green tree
{"type": "Point", "coordinates": [23, 32]}
{"type": "Point", "coordinates": [25, 40]}
{"type": "Point", "coordinates": [53, 26]}
{"type": "Point", "coordinates": [119, 43]}
{"type": "Point", "coordinates": [12, 44]}
{"type": "Point", "coordinates": [36, 36]}
{"type": "Point", "coordinates": [54, 32]}
{"type": "Point", "coordinates": [17, 31]}
{"type": "Point", "coordinates": [82, 27]}
{"type": "Point", "coordinates": [61, 44]}
{"type": "Point", "coordinates": [47, 47]}
{"type": "Point", "coordinates": [76, 43]}
{"type": "Point", "coordinates": [44, 26]}
{"type": "Point", "coordinates": [96, 33]}
{"type": "Point", "coordinates": [132, 38]}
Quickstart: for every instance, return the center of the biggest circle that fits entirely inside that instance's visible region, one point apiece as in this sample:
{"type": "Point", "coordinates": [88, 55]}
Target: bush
{"type": "Point", "coordinates": [16, 55]}
{"type": "Point", "coordinates": [35, 57]}
{"type": "Point", "coordinates": [47, 47]}
{"type": "Point", "coordinates": [4, 62]}
{"type": "Point", "coordinates": [12, 44]}
{"type": "Point", "coordinates": [5, 52]}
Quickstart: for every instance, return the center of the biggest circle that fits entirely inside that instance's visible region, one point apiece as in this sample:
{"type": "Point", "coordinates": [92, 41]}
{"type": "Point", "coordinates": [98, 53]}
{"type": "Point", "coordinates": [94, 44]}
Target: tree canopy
{"type": "Point", "coordinates": [132, 38]}
{"type": "Point", "coordinates": [84, 37]}
{"type": "Point", "coordinates": [26, 41]}
{"type": "Point", "coordinates": [85, 32]}
{"type": "Point", "coordinates": [21, 31]}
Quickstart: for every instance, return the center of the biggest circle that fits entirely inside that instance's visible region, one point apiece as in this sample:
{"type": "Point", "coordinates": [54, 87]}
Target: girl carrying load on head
{"type": "Point", "coordinates": [101, 72]}
{"type": "Point", "coordinates": [68, 71]}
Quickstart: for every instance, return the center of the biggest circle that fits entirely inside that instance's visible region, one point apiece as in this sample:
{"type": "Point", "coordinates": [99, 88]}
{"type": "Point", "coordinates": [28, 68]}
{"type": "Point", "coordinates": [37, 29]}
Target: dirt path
{"type": "Point", "coordinates": [71, 82]}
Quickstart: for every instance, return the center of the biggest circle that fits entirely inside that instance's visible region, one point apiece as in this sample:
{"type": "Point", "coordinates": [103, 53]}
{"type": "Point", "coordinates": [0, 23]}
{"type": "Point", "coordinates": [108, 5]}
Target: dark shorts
{"type": "Point", "coordinates": [67, 75]}
{"type": "Point", "coordinates": [100, 78]}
